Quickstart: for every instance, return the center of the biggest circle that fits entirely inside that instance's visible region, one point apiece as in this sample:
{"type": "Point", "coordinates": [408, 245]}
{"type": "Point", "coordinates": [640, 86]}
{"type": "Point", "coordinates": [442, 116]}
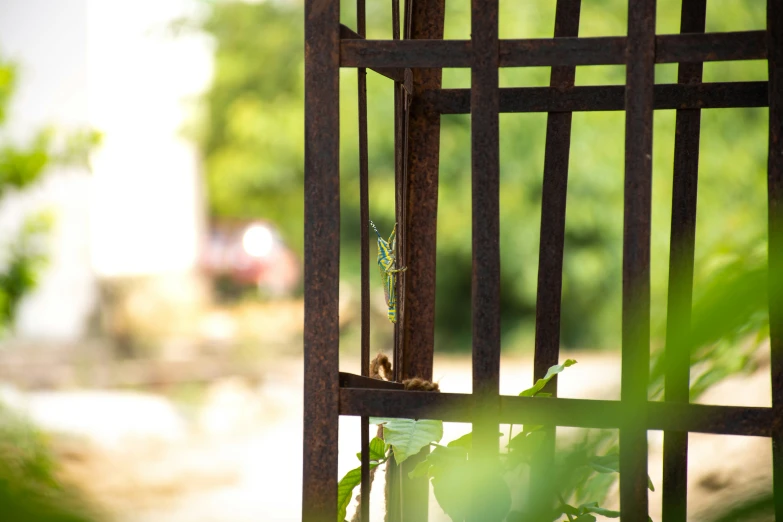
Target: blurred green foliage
{"type": "Point", "coordinates": [21, 167]}
{"type": "Point", "coordinates": [253, 142]}
{"type": "Point", "coordinates": [29, 488]}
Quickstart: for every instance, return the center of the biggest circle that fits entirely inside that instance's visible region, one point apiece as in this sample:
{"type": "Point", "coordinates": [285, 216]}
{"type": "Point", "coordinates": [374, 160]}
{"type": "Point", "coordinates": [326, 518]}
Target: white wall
{"type": "Point", "coordinates": [146, 206]}
{"type": "Point", "coordinates": [111, 65]}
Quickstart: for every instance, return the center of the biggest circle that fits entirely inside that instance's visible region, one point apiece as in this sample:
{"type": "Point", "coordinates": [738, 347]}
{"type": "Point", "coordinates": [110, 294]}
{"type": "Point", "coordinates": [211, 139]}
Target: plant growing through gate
{"type": "Point", "coordinates": [580, 476]}
{"type": "Point", "coordinates": [729, 324]}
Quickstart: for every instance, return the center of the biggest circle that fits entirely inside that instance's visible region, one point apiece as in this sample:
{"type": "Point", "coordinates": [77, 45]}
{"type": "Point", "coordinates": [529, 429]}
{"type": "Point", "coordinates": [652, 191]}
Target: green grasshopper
{"type": "Point", "coordinates": [386, 264]}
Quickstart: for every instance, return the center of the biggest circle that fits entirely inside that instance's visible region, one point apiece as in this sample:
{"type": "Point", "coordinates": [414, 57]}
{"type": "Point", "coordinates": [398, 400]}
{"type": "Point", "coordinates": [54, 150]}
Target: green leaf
{"type": "Point", "coordinates": [593, 507]}
{"type": "Point", "coordinates": [407, 437]}
{"type": "Point", "coordinates": [452, 494]}
{"type": "Point", "coordinates": [459, 493]}
{"type": "Point", "coordinates": [606, 464]}
{"type": "Point", "coordinates": [422, 469]}
{"type": "Point", "coordinates": [345, 489]}
{"type": "Point", "coordinates": [611, 464]}
{"type": "Point", "coordinates": [466, 441]}
{"type": "Point", "coordinates": [381, 420]}
{"type": "Point", "coordinates": [540, 383]}
{"type": "Point", "coordinates": [525, 444]}
{"type": "Point", "coordinates": [377, 450]}
{"type": "Point", "coordinates": [448, 456]}
{"type": "Point", "coordinates": [585, 518]}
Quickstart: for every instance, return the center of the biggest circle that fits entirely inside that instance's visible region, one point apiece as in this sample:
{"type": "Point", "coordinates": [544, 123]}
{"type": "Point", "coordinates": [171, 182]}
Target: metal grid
{"type": "Point", "coordinates": [414, 64]}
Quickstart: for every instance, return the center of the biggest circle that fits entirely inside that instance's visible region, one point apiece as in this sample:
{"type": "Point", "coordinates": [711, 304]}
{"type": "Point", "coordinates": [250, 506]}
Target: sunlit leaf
{"type": "Point", "coordinates": [377, 450]}
{"type": "Point", "coordinates": [407, 436]}
{"type": "Point", "coordinates": [345, 490]}
{"type": "Point", "coordinates": [540, 383]}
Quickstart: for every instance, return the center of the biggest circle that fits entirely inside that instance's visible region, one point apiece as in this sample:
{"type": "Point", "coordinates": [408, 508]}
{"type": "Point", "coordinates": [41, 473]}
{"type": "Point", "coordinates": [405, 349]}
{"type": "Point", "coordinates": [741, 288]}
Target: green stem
{"type": "Point", "coordinates": [563, 503]}
{"type": "Point", "coordinates": [510, 431]}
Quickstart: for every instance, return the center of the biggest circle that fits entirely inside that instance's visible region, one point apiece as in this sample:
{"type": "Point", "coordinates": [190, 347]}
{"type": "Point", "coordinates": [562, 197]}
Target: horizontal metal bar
{"type": "Point", "coordinates": [562, 51]}
{"type": "Point", "coordinates": [608, 98]}
{"type": "Point", "coordinates": [580, 413]}
{"type": "Point", "coordinates": [607, 50]}
{"type": "Point", "coordinates": [710, 47]}
{"type": "Point", "coordinates": [393, 73]}
{"type": "Point", "coordinates": [450, 407]}
{"type": "Point", "coordinates": [405, 53]}
{"type": "Point", "coordinates": [350, 380]}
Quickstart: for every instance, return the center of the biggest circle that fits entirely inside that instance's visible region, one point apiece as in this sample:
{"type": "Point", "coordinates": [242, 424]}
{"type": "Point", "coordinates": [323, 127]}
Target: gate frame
{"type": "Point", "coordinates": [414, 63]}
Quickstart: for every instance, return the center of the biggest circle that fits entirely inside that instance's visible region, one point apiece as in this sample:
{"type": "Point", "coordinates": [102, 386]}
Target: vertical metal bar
{"type": "Point", "coordinates": [640, 79]}
{"type": "Point", "coordinates": [681, 257]}
{"type": "Point", "coordinates": [322, 255]}
{"type": "Point", "coordinates": [408, 20]}
{"type": "Point", "coordinates": [364, 213]}
{"type": "Point", "coordinates": [550, 255]}
{"type": "Point", "coordinates": [775, 186]}
{"type": "Point", "coordinates": [393, 475]}
{"type": "Point", "coordinates": [424, 19]}
{"type": "Point", "coordinates": [553, 209]}
{"type": "Point", "coordinates": [421, 208]}
{"type": "Point", "coordinates": [398, 167]}
{"type": "Point", "coordinates": [484, 108]}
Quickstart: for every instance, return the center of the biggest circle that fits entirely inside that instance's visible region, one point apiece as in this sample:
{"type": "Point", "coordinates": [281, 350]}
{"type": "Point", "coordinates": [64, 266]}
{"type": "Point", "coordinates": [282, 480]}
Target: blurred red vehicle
{"type": "Point", "coordinates": [241, 255]}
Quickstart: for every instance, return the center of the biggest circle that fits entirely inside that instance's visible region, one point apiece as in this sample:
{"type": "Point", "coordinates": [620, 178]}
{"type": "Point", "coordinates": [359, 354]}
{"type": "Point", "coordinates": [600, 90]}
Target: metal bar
{"type": "Point", "coordinates": [605, 50]}
{"type": "Point", "coordinates": [709, 47]}
{"type": "Point", "coordinates": [485, 165]}
{"type": "Point", "coordinates": [579, 413]}
{"type": "Point", "coordinates": [423, 20]}
{"type": "Point", "coordinates": [562, 51]}
{"type": "Point", "coordinates": [681, 257]}
{"type": "Point", "coordinates": [422, 163]}
{"type": "Point", "coordinates": [717, 95]}
{"type": "Point", "coordinates": [485, 287]}
{"type": "Point", "coordinates": [393, 73]}
{"type": "Point", "coordinates": [364, 247]}
{"type": "Point", "coordinates": [322, 255]}
{"type": "Point", "coordinates": [393, 475]}
{"type": "Point", "coordinates": [350, 380]}
{"type": "Point", "coordinates": [405, 53]}
{"type": "Point", "coordinates": [775, 216]}
{"type": "Point", "coordinates": [551, 243]}
{"type": "Point", "coordinates": [553, 209]}
{"type": "Point", "coordinates": [399, 166]}
{"type": "Point", "coordinates": [640, 79]}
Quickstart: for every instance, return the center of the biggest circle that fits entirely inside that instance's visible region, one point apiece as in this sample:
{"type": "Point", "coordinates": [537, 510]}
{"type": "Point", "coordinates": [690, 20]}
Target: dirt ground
{"type": "Point", "coordinates": [235, 453]}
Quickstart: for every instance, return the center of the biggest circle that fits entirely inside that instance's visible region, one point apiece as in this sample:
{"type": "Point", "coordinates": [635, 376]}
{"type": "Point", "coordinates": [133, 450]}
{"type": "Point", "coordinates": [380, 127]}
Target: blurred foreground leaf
{"type": "Point", "coordinates": [29, 489]}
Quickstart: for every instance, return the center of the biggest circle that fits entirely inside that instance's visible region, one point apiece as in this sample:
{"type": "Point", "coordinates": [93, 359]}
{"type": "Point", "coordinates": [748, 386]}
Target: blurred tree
{"type": "Point", "coordinates": [252, 141]}
{"type": "Point", "coordinates": [20, 169]}
{"type": "Point", "coordinates": [30, 490]}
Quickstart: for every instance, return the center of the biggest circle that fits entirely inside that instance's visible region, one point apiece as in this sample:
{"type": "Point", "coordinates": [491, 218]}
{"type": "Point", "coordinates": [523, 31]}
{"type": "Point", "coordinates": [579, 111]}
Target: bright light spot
{"type": "Point", "coordinates": [258, 241]}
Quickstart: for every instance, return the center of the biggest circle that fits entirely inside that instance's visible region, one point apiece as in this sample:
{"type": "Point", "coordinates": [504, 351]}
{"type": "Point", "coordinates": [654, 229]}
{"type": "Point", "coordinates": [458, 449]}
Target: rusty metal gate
{"type": "Point", "coordinates": [413, 60]}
